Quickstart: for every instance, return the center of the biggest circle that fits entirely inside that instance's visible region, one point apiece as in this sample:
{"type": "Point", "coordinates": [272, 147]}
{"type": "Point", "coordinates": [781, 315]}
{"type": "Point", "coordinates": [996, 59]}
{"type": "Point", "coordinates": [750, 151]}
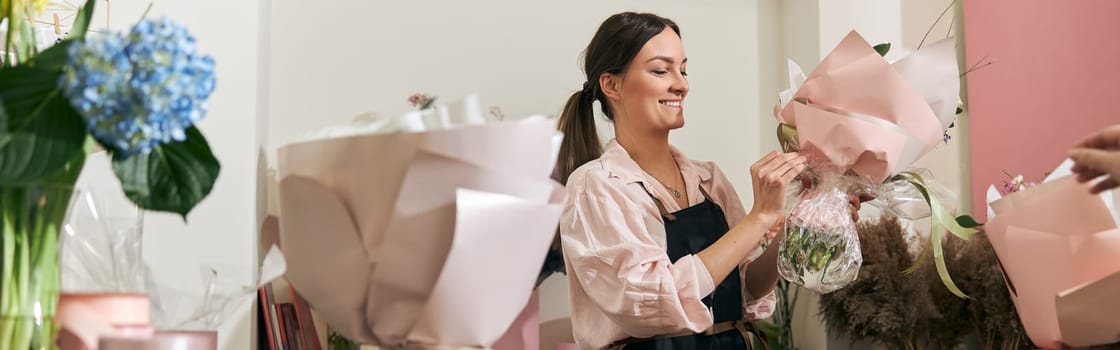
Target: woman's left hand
{"type": "Point", "coordinates": [854, 205]}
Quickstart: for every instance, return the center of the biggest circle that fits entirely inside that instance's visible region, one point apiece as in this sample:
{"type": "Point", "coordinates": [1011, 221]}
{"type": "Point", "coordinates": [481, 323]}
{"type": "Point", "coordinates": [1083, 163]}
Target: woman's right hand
{"type": "Point", "coordinates": [770, 177]}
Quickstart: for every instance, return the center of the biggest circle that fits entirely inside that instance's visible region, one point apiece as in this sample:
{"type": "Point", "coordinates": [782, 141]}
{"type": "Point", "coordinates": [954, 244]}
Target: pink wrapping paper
{"type": "Point", "coordinates": [1060, 249]}
{"type": "Point", "coordinates": [525, 333]}
{"type": "Point", "coordinates": [861, 113]}
{"type": "Point", "coordinates": [418, 239]}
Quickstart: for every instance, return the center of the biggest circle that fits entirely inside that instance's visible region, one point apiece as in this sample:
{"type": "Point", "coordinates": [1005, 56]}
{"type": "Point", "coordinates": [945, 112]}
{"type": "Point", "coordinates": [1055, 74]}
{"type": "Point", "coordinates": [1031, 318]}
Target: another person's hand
{"type": "Point", "coordinates": [770, 177]}
{"type": "Point", "coordinates": [1098, 155]}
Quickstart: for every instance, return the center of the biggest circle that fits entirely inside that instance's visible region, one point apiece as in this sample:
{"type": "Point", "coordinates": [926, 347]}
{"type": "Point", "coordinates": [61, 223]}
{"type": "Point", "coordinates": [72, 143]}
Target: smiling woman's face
{"type": "Point", "coordinates": [654, 85]}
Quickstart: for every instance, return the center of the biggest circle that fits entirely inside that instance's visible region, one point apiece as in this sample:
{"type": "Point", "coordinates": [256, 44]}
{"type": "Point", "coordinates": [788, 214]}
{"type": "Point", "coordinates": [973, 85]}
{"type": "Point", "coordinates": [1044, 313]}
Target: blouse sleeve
{"type": "Point", "coordinates": [622, 268]}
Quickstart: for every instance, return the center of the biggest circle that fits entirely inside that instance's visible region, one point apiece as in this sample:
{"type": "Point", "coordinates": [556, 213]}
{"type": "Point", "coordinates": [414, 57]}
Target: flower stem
{"type": "Point", "coordinates": [30, 218]}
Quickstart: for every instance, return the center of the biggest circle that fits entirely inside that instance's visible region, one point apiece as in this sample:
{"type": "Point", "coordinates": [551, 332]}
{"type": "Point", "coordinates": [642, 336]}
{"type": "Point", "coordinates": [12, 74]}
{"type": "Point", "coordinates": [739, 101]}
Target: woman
{"type": "Point", "coordinates": [660, 252]}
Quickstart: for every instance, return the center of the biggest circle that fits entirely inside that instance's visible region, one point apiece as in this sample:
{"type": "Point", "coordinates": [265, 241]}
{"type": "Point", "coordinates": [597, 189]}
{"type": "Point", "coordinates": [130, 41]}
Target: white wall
{"type": "Point", "coordinates": [949, 161]}
{"type": "Point", "coordinates": [332, 59]}
{"type": "Point", "coordinates": [221, 231]}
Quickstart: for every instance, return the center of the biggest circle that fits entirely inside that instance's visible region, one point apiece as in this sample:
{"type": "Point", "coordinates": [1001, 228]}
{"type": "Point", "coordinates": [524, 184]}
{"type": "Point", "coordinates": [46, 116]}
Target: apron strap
{"type": "Point", "coordinates": [661, 208]}
{"type": "Point", "coordinates": [751, 335]}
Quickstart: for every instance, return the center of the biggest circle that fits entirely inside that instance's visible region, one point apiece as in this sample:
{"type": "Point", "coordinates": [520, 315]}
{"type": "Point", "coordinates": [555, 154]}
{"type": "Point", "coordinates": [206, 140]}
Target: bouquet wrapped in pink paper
{"type": "Point", "coordinates": [1059, 247]}
{"type": "Point", "coordinates": [421, 237]}
{"type": "Point", "coordinates": [862, 122]}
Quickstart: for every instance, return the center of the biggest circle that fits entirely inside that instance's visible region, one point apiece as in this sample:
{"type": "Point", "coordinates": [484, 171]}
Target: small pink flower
{"type": "Point", "coordinates": [421, 100]}
{"type": "Point", "coordinates": [1016, 184]}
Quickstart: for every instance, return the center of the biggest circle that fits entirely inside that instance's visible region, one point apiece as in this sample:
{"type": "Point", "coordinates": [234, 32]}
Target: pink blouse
{"type": "Point", "coordinates": [621, 281]}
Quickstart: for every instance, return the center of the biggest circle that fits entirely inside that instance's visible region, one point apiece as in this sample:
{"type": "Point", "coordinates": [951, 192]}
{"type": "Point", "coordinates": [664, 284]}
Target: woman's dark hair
{"type": "Point", "coordinates": [616, 43]}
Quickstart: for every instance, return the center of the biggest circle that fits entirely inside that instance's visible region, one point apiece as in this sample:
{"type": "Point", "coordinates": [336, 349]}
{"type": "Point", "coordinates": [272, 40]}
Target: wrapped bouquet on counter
{"type": "Point", "coordinates": [424, 231]}
{"type": "Point", "coordinates": [862, 123]}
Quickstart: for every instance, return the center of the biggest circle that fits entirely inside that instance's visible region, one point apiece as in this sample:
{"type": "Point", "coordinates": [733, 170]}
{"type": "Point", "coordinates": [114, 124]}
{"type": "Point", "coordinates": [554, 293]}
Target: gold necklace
{"type": "Point", "coordinates": [673, 191]}
{"type": "Point", "coordinates": [676, 193]}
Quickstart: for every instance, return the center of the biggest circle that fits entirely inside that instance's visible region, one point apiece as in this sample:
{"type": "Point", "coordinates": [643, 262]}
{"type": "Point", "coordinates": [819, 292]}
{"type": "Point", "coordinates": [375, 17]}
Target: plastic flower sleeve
{"type": "Point", "coordinates": [218, 299]}
{"type": "Point", "coordinates": [821, 248]}
{"type": "Point", "coordinates": [102, 237]}
{"type": "Point", "coordinates": [902, 199]}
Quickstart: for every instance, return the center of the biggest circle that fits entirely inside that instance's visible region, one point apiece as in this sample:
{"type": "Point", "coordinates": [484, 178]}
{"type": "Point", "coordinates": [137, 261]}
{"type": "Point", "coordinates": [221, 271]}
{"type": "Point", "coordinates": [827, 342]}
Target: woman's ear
{"type": "Point", "coordinates": [611, 85]}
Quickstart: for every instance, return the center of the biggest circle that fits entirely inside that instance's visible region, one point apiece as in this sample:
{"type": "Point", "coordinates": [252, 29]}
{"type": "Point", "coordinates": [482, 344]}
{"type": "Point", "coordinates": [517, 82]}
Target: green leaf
{"type": "Point", "coordinates": [967, 221]}
{"type": "Point", "coordinates": [40, 132]}
{"type": "Point", "coordinates": [26, 91]}
{"type": "Point", "coordinates": [53, 58]}
{"type": "Point", "coordinates": [82, 20]}
{"type": "Point", "coordinates": [70, 171]}
{"type": "Point", "coordinates": [883, 48]}
{"type": "Point", "coordinates": [173, 177]}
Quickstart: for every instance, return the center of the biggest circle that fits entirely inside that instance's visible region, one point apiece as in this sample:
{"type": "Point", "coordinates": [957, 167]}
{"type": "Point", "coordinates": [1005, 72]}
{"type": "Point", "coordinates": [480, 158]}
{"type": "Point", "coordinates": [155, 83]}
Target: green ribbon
{"type": "Point", "coordinates": [962, 227]}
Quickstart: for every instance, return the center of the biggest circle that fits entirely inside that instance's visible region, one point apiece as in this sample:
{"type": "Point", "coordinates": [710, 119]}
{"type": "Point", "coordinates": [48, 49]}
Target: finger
{"type": "Point", "coordinates": [785, 158]}
{"type": "Point", "coordinates": [1091, 159]}
{"type": "Point", "coordinates": [780, 170]}
{"type": "Point", "coordinates": [792, 173]}
{"type": "Point", "coordinates": [1107, 184]}
{"type": "Point", "coordinates": [779, 165]}
{"type": "Point", "coordinates": [1088, 175]}
{"type": "Point", "coordinates": [1106, 139]}
{"type": "Point", "coordinates": [1084, 172]}
{"type": "Point", "coordinates": [762, 163]}
{"type": "Point", "coordinates": [1078, 168]}
{"type": "Point", "coordinates": [769, 157]}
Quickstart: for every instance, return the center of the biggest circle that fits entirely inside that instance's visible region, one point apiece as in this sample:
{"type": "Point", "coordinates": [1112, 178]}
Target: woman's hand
{"type": "Point", "coordinates": [854, 200]}
{"type": "Point", "coordinates": [770, 177]}
{"type": "Point", "coordinates": [854, 204]}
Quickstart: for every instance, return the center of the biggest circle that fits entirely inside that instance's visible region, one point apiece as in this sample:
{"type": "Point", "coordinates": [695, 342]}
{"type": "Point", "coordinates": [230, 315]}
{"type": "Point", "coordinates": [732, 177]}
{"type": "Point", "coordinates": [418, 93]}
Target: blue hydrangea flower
{"type": "Point", "coordinates": [140, 90]}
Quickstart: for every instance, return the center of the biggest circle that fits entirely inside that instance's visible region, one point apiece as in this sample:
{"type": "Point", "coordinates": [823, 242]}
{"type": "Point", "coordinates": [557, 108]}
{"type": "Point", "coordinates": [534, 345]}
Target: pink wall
{"type": "Point", "coordinates": [1055, 77]}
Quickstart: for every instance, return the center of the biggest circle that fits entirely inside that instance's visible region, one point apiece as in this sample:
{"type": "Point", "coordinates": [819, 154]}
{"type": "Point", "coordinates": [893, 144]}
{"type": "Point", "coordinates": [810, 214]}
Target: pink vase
{"type": "Point", "coordinates": [86, 317]}
{"type": "Point", "coordinates": [164, 340]}
{"type": "Point", "coordinates": [524, 333]}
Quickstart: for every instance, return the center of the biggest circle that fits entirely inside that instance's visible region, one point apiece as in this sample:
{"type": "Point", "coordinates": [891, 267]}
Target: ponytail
{"type": "Point", "coordinates": [615, 44]}
{"type": "Point", "coordinates": [581, 139]}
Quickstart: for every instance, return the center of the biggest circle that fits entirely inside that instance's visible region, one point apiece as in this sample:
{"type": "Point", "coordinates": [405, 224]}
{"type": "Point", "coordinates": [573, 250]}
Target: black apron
{"type": "Point", "coordinates": [689, 231]}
